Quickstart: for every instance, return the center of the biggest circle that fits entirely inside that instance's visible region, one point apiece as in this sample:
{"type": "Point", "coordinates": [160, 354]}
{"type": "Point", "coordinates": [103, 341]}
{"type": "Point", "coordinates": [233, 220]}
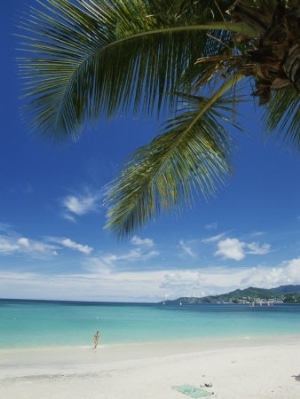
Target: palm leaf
{"type": "Point", "coordinates": [193, 152]}
{"type": "Point", "coordinates": [89, 58]}
{"type": "Point", "coordinates": [282, 117]}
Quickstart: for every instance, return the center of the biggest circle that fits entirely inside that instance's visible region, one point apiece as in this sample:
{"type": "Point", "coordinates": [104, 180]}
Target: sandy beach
{"type": "Point", "coordinates": [245, 368]}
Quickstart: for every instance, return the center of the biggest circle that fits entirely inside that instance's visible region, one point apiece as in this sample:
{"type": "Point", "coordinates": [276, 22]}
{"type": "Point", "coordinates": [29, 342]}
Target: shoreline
{"type": "Point", "coordinates": [181, 342]}
{"type": "Point", "coordinates": [237, 368]}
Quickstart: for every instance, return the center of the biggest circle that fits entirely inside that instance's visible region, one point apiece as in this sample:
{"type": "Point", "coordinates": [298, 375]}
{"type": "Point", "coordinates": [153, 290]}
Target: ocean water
{"type": "Point", "coordinates": [27, 324]}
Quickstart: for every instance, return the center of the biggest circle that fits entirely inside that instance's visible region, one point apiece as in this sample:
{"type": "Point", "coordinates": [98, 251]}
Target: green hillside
{"type": "Point", "coordinates": [284, 294]}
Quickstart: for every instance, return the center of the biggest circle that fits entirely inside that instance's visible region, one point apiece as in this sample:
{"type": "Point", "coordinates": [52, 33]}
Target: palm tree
{"type": "Point", "coordinates": [194, 60]}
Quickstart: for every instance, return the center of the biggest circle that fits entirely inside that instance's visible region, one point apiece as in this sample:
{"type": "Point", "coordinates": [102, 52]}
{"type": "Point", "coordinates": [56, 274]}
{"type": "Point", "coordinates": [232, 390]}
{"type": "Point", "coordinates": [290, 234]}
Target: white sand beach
{"type": "Point", "coordinates": [246, 368]}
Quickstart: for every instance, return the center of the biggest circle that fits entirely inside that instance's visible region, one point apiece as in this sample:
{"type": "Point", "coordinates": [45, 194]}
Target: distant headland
{"type": "Point", "coordinates": [251, 295]}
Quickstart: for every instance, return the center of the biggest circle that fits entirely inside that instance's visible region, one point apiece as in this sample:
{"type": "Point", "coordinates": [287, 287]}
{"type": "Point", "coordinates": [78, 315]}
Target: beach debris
{"type": "Point", "coordinates": [297, 377]}
{"type": "Point", "coordinates": [207, 385]}
{"type": "Point", "coordinates": [192, 391]}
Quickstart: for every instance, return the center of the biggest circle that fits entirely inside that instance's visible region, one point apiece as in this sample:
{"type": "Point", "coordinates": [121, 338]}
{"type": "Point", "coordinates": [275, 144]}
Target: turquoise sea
{"type": "Point", "coordinates": [27, 324]}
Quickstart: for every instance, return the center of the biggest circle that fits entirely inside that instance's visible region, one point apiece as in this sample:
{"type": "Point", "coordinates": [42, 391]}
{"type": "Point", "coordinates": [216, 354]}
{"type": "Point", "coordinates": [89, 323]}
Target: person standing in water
{"type": "Point", "coordinates": [96, 339]}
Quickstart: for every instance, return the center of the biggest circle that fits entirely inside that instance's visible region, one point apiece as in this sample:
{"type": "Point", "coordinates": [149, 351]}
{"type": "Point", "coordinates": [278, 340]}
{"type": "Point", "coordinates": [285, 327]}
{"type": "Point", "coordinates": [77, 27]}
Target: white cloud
{"type": "Point", "coordinates": [103, 285]}
{"type": "Point", "coordinates": [212, 226]}
{"type": "Point", "coordinates": [101, 281]}
{"type": "Point", "coordinates": [187, 249]}
{"type": "Point", "coordinates": [233, 248]}
{"type": "Point", "coordinates": [127, 259]}
{"type": "Point", "coordinates": [6, 229]}
{"type": "Point", "coordinates": [138, 255]}
{"type": "Point", "coordinates": [287, 272]}
{"type": "Point", "coordinates": [212, 239]}
{"type": "Point", "coordinates": [10, 245]}
{"type": "Point", "coordinates": [216, 280]}
{"type": "Point", "coordinates": [255, 248]}
{"type": "Point", "coordinates": [78, 247]}
{"type": "Point", "coordinates": [81, 204]}
{"type": "Point", "coordinates": [68, 243]}
{"type": "Point", "coordinates": [136, 274]}
{"type": "Point", "coordinates": [144, 242]}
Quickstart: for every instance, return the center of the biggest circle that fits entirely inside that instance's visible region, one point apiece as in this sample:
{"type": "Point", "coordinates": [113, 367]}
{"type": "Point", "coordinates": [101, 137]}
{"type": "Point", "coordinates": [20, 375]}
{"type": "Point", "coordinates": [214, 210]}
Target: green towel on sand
{"type": "Point", "coordinates": [190, 390]}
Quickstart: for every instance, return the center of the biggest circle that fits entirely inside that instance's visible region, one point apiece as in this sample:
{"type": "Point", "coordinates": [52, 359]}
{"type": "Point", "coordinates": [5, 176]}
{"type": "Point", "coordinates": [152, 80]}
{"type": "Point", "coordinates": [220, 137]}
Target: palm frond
{"type": "Point", "coordinates": [193, 152]}
{"type": "Point", "coordinates": [282, 118]}
{"type": "Point", "coordinates": [88, 58]}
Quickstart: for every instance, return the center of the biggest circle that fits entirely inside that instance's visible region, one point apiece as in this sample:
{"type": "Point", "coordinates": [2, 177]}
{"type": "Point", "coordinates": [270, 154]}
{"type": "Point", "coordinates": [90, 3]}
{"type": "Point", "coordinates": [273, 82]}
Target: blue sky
{"type": "Point", "coordinates": [53, 244]}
